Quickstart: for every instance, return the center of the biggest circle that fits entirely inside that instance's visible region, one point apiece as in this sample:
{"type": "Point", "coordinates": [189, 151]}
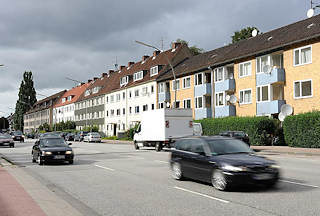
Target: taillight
{"type": "Point", "coordinates": [167, 124]}
{"type": "Point", "coordinates": [190, 124]}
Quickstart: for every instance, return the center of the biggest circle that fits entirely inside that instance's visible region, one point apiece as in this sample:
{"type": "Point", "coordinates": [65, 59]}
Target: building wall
{"type": "Point", "coordinates": [64, 113]}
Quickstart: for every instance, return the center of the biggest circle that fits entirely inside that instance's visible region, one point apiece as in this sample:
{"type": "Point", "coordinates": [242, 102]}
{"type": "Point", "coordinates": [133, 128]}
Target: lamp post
{"type": "Point", "coordinates": [169, 62]}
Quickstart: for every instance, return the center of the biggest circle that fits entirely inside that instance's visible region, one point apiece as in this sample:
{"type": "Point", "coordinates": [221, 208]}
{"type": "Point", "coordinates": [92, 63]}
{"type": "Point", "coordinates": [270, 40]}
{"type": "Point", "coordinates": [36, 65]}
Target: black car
{"type": "Point", "coordinates": [80, 135]}
{"type": "Point", "coordinates": [17, 136]}
{"type": "Point", "coordinates": [237, 135]}
{"type": "Point", "coordinates": [30, 136]}
{"type": "Point", "coordinates": [6, 139]}
{"type": "Point", "coordinates": [221, 161]}
{"type": "Point", "coordinates": [51, 149]}
{"type": "Point", "coordinates": [69, 137]}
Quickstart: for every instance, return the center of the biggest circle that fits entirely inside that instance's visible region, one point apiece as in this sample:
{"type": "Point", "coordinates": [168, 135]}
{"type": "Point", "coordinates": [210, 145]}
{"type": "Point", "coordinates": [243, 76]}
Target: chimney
{"type": "Point", "coordinates": [144, 57]}
{"type": "Point", "coordinates": [104, 74]}
{"type": "Point", "coordinates": [122, 67]}
{"type": "Point", "coordinates": [130, 63]}
{"type": "Point", "coordinates": [111, 71]}
{"type": "Point", "coordinates": [95, 78]}
{"type": "Point", "coordinates": [155, 53]}
{"type": "Point", "coordinates": [89, 80]}
{"type": "Point", "coordinates": [82, 83]}
{"type": "Point", "coordinates": [175, 45]}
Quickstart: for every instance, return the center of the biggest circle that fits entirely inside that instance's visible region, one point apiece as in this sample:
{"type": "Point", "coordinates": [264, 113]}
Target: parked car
{"type": "Point", "coordinates": [17, 136]}
{"type": "Point", "coordinates": [51, 149]}
{"type": "Point", "coordinates": [224, 162]}
{"type": "Point", "coordinates": [92, 137]}
{"type": "Point", "coordinates": [6, 139]}
{"type": "Point", "coordinates": [30, 136]}
{"type": "Point", "coordinates": [79, 136]}
{"type": "Point", "coordinates": [63, 134]}
{"type": "Point", "coordinates": [237, 135]}
{"type": "Point", "coordinates": [69, 137]}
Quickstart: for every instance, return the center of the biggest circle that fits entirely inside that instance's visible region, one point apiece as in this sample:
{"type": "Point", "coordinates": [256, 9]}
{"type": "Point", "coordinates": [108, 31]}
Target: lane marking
{"type": "Point", "coordinates": [297, 183]}
{"type": "Point", "coordinates": [200, 194]}
{"type": "Point", "coordinates": [160, 161]}
{"type": "Point", "coordinates": [106, 168]}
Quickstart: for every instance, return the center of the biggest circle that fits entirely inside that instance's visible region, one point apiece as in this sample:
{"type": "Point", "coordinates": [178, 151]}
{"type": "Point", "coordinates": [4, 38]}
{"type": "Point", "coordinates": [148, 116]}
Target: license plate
{"type": "Point", "coordinates": [59, 157]}
{"type": "Point", "coordinates": [263, 176]}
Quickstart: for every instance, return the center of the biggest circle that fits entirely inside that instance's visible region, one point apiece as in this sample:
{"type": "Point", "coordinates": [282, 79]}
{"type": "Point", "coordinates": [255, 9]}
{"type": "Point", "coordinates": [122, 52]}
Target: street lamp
{"type": "Point", "coordinates": [174, 74]}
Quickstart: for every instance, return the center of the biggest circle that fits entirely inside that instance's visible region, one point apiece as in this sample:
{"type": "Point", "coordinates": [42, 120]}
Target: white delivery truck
{"type": "Point", "coordinates": [159, 128]}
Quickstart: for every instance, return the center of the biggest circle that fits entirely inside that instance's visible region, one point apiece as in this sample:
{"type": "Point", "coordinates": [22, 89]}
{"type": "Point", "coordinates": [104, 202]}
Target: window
{"type": "Point", "coordinates": [161, 105]}
{"type": "Point", "coordinates": [136, 93]}
{"type": "Point", "coordinates": [130, 94]}
{"type": "Point", "coordinates": [144, 91]}
{"type": "Point", "coordinates": [303, 89]}
{"type": "Point", "coordinates": [96, 89]}
{"type": "Point", "coordinates": [107, 100]}
{"type": "Point", "coordinates": [63, 100]}
{"type": "Point", "coordinates": [118, 112]}
{"type": "Point", "coordinates": [245, 69]}
{"type": "Point", "coordinates": [174, 85]}
{"type": "Point", "coordinates": [198, 79]}
{"type": "Point", "coordinates": [118, 97]}
{"type": "Point", "coordinates": [123, 111]}
{"type": "Point", "coordinates": [220, 74]}
{"type": "Point", "coordinates": [123, 95]}
{"type": "Point", "coordinates": [187, 103]}
{"type": "Point", "coordinates": [152, 106]}
{"type": "Point", "coordinates": [263, 93]}
{"type": "Point", "coordinates": [87, 93]}
{"type": "Point", "coordinates": [152, 89]}
{"type": "Point", "coordinates": [130, 110]}
{"type": "Point", "coordinates": [220, 99]}
{"type": "Point", "coordinates": [112, 98]}
{"type": "Point", "coordinates": [177, 105]}
{"type": "Point", "coordinates": [145, 107]}
{"type": "Point", "coordinates": [107, 113]}
{"type": "Point", "coordinates": [245, 96]}
{"type": "Point", "coordinates": [69, 98]}
{"type": "Point", "coordinates": [112, 112]}
{"type": "Point", "coordinates": [124, 81]}
{"type": "Point", "coordinates": [199, 102]}
{"type": "Point", "coordinates": [302, 56]}
{"type": "Point", "coordinates": [186, 82]}
{"type": "Point", "coordinates": [154, 71]}
{"type": "Point", "coordinates": [161, 87]}
{"type": "Point", "coordinates": [136, 109]}
{"type": "Point", "coordinates": [262, 62]}
{"type": "Point", "coordinates": [138, 76]}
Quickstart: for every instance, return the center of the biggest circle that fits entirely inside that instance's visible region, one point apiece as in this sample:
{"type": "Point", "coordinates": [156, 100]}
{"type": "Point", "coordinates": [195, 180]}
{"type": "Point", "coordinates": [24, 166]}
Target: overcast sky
{"type": "Point", "coordinates": [80, 39]}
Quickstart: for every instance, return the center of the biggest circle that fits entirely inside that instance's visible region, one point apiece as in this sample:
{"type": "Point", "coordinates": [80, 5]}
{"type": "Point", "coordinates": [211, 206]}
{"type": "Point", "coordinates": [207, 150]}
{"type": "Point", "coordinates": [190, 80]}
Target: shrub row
{"type": "Point", "coordinates": [302, 130]}
{"type": "Point", "coordinates": [259, 129]}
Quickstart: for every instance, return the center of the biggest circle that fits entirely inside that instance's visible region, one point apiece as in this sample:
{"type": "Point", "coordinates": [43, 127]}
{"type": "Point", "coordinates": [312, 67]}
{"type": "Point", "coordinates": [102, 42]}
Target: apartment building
{"type": "Point", "coordinates": [63, 110]}
{"type": "Point", "coordinates": [135, 88]}
{"type": "Point", "coordinates": [41, 112]}
{"type": "Point", "coordinates": [252, 77]}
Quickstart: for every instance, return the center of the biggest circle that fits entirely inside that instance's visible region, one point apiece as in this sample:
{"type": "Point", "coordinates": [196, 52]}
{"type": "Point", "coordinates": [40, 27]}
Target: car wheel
{"type": "Point", "coordinates": [40, 162]}
{"type": "Point", "coordinates": [158, 146]}
{"type": "Point", "coordinates": [136, 147]}
{"type": "Point", "coordinates": [219, 180]}
{"type": "Point", "coordinates": [176, 171]}
{"type": "Point", "coordinates": [71, 162]}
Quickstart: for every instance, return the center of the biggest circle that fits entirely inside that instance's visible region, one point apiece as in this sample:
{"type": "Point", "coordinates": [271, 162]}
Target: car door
{"type": "Point", "coordinates": [184, 155]}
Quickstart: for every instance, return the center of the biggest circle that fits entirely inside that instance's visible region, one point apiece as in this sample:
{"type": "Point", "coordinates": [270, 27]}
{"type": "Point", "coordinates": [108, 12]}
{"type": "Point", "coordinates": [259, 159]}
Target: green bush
{"type": "Point", "coordinates": [302, 130]}
{"type": "Point", "coordinates": [259, 129]}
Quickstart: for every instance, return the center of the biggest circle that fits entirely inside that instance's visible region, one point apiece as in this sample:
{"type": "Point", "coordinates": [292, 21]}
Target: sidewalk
{"type": "Point", "coordinates": [287, 150]}
{"type": "Point", "coordinates": [14, 200]}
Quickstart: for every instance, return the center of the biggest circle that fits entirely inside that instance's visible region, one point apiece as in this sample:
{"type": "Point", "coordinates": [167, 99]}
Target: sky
{"type": "Point", "coordinates": [80, 39]}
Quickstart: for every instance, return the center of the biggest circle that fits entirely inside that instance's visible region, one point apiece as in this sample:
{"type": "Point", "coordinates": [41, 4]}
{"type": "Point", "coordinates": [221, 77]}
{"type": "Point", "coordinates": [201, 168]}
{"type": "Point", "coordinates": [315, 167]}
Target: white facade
{"type": "Point", "coordinates": [124, 107]}
{"type": "Point", "coordinates": [64, 113]}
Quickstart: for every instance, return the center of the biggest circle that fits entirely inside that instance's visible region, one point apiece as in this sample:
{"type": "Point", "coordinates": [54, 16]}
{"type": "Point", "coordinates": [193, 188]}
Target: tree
{"type": "Point", "coordinates": [194, 49]}
{"type": "Point", "coordinates": [243, 34]}
{"type": "Point", "coordinates": [27, 97]}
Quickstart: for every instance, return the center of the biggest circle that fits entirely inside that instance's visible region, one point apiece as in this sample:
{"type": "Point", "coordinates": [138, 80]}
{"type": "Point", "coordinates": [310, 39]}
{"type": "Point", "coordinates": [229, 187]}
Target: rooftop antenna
{"type": "Point", "coordinates": [313, 6]}
{"type": "Point", "coordinates": [116, 64]}
{"type": "Point", "coordinates": [161, 43]}
{"type": "Point", "coordinates": [73, 80]}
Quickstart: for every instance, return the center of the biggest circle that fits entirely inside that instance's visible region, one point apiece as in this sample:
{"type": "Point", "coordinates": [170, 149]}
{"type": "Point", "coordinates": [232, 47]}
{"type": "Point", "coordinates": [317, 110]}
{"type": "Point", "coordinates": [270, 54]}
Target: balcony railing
{"type": "Point", "coordinates": [200, 90]}
{"type": "Point", "coordinates": [164, 96]}
{"type": "Point", "coordinates": [276, 75]}
{"type": "Point", "coordinates": [226, 85]}
{"type": "Point", "coordinates": [269, 107]}
{"type": "Point", "coordinates": [225, 111]}
{"type": "Point", "coordinates": [203, 113]}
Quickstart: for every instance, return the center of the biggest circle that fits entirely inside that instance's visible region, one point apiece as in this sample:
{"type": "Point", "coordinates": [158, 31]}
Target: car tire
{"type": "Point", "coordinates": [219, 180]}
{"type": "Point", "coordinates": [158, 146]}
{"type": "Point", "coordinates": [136, 147]}
{"type": "Point", "coordinates": [71, 162]}
{"type": "Point", "coordinates": [40, 162]}
{"type": "Point", "coordinates": [33, 160]}
{"type": "Point", "coordinates": [176, 171]}
{"type": "Point", "coordinates": [271, 184]}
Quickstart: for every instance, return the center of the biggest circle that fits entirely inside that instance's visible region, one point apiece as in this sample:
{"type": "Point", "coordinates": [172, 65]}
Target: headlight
{"type": "Point", "coordinates": [13, 136]}
{"type": "Point", "coordinates": [274, 166]}
{"type": "Point", "coordinates": [229, 167]}
{"type": "Point", "coordinates": [69, 152]}
{"type": "Point", "coordinates": [22, 136]}
{"type": "Point", "coordinates": [46, 153]}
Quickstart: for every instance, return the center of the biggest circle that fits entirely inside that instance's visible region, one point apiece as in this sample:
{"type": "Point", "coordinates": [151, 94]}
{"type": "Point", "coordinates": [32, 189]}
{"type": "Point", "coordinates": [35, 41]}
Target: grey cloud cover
{"type": "Point", "coordinates": [81, 38]}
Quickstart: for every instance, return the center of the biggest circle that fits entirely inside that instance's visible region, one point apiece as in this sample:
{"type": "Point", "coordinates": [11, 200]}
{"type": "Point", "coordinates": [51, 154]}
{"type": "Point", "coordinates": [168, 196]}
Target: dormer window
{"type": "Point", "coordinates": [138, 76]}
{"type": "Point", "coordinates": [87, 93]}
{"type": "Point", "coordinates": [63, 100]}
{"type": "Point", "coordinates": [154, 70]}
{"type": "Point", "coordinates": [124, 81]}
{"type": "Point", "coordinates": [69, 98]}
{"type": "Point", "coordinates": [96, 89]}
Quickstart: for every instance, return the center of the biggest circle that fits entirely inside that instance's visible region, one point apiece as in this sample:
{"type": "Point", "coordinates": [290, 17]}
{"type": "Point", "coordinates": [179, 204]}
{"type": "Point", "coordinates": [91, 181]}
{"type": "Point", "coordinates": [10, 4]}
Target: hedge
{"type": "Point", "coordinates": [303, 130]}
{"type": "Point", "coordinates": [259, 129]}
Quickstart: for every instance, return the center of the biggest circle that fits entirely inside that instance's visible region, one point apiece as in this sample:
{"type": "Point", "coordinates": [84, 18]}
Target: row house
{"type": "Point", "coordinates": [64, 109]}
{"type": "Point", "coordinates": [252, 77]}
{"type": "Point", "coordinates": [41, 112]}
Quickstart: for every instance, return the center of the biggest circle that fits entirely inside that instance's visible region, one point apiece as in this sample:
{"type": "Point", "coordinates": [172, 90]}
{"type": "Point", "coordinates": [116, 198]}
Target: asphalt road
{"type": "Point", "coordinates": [115, 179]}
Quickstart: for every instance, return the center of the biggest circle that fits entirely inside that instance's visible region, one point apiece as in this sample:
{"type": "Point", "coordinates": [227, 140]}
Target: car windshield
{"type": "Point", "coordinates": [53, 142]}
{"type": "Point", "coordinates": [5, 136]}
{"type": "Point", "coordinates": [228, 146]}
{"type": "Point", "coordinates": [17, 133]}
{"type": "Point", "coordinates": [239, 134]}
{"type": "Point", "coordinates": [95, 134]}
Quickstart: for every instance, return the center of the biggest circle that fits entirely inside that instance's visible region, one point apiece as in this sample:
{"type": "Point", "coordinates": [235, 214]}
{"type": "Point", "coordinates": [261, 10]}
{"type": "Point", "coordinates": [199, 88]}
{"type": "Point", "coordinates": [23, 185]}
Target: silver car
{"type": "Point", "coordinates": [6, 139]}
{"type": "Point", "coordinates": [92, 137]}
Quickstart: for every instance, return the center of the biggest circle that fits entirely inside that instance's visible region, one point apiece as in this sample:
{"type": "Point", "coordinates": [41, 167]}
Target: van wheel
{"type": "Point", "coordinates": [158, 146]}
{"type": "Point", "coordinates": [136, 146]}
{"type": "Point", "coordinates": [176, 171]}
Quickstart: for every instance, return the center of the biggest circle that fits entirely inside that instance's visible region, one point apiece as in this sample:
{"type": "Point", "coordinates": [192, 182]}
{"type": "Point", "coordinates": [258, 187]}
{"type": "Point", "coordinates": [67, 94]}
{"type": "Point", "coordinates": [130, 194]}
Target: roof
{"type": "Point", "coordinates": [112, 82]}
{"type": "Point", "coordinates": [268, 42]}
{"type": "Point", "coordinates": [75, 92]}
{"type": "Point", "coordinates": [37, 107]}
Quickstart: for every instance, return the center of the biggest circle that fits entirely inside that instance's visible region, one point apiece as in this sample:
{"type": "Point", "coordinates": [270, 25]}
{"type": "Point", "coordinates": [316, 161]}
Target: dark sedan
{"type": "Point", "coordinates": [17, 136]}
{"type": "Point", "coordinates": [69, 137]}
{"type": "Point", "coordinates": [6, 139]}
{"type": "Point", "coordinates": [222, 161]}
{"type": "Point", "coordinates": [237, 135]}
{"type": "Point", "coordinates": [52, 149]}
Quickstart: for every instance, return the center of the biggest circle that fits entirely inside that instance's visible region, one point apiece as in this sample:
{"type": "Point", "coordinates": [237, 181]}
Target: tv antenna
{"type": "Point", "coordinates": [75, 81]}
{"type": "Point", "coordinates": [116, 64]}
{"type": "Point", "coordinates": [313, 6]}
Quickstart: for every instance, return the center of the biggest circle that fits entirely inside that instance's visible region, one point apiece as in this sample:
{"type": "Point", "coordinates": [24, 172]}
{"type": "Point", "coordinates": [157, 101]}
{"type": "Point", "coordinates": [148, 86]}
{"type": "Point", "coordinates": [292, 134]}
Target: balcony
{"type": "Point", "coordinates": [200, 90]}
{"type": "Point", "coordinates": [226, 85]}
{"type": "Point", "coordinates": [269, 107]}
{"type": "Point", "coordinates": [202, 113]}
{"type": "Point", "coordinates": [164, 96]}
{"type": "Point", "coordinates": [225, 111]}
{"type": "Point", "coordinates": [276, 75]}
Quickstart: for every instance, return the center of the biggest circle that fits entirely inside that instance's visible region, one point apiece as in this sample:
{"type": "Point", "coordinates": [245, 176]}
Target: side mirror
{"type": "Point", "coordinates": [69, 144]}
